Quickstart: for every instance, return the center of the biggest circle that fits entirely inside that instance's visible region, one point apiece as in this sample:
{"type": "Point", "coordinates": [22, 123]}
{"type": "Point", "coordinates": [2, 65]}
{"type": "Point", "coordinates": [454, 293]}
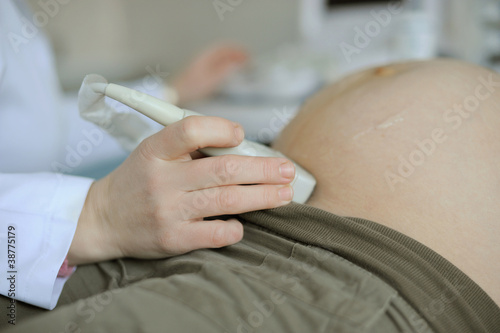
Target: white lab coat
{"type": "Point", "coordinates": [40, 134]}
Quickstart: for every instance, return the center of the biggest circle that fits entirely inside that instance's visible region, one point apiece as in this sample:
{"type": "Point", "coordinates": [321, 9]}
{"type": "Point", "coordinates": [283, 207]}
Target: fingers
{"type": "Point", "coordinates": [190, 134]}
{"type": "Point", "coordinates": [228, 200]}
{"type": "Point", "coordinates": [226, 54]}
{"type": "Point", "coordinates": [209, 234]}
{"type": "Point", "coordinates": [228, 58]}
{"type": "Point", "coordinates": [234, 170]}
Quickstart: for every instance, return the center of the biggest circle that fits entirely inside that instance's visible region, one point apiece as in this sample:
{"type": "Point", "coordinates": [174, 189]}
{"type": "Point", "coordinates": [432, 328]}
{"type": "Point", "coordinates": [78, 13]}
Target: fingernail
{"type": "Point", "coordinates": [285, 193]}
{"type": "Point", "coordinates": [287, 170]}
{"type": "Point", "coordinates": [238, 132]}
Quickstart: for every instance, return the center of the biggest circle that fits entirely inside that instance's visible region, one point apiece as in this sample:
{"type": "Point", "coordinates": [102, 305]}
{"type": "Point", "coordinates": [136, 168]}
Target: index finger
{"type": "Point", "coordinates": [193, 133]}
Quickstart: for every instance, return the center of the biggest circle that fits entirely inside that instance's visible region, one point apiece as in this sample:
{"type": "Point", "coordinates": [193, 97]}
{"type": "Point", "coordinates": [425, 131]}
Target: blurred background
{"type": "Point", "coordinates": [296, 46]}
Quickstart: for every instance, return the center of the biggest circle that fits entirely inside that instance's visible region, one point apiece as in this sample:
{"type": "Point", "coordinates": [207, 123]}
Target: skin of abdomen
{"type": "Point", "coordinates": [413, 146]}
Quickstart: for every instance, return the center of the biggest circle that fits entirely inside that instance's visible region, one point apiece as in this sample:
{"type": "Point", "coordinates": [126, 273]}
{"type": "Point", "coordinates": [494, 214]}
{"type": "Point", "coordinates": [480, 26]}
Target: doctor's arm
{"type": "Point", "coordinates": [206, 72]}
{"type": "Point", "coordinates": [151, 206]}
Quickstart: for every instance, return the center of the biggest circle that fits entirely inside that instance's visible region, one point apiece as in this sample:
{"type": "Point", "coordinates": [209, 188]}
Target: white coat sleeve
{"type": "Point", "coordinates": [38, 217]}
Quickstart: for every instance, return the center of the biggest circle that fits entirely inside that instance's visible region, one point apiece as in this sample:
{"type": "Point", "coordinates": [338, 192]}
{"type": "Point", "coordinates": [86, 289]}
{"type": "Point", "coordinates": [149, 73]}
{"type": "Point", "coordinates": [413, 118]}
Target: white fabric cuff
{"type": "Point", "coordinates": [44, 209]}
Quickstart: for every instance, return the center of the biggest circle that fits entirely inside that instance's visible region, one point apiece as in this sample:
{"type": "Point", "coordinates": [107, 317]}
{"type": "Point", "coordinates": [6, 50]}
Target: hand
{"type": "Point", "coordinates": [204, 75]}
{"type": "Point", "coordinates": [153, 204]}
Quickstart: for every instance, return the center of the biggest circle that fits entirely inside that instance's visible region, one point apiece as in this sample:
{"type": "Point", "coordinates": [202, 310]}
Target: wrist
{"type": "Point", "coordinates": [92, 241]}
